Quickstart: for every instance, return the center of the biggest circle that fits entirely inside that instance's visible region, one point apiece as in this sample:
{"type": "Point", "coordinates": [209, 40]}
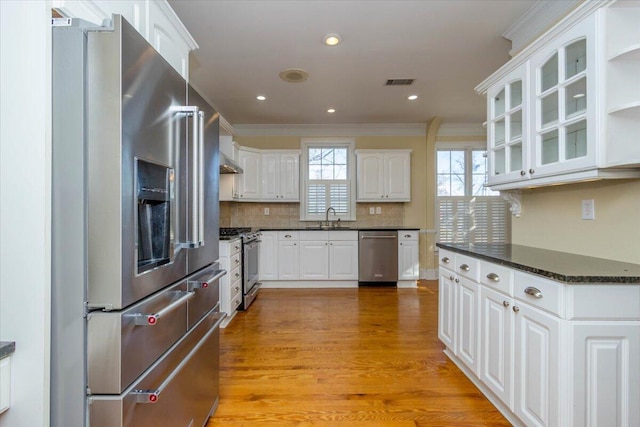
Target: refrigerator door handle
{"type": "Point", "coordinates": [200, 178]}
{"type": "Point", "coordinates": [152, 396]}
{"type": "Point", "coordinates": [152, 319]}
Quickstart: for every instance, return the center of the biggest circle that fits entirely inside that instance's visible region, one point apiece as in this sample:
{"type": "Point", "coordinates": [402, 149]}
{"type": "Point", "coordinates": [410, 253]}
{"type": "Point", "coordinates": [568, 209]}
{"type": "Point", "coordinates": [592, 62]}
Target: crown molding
{"type": "Point", "coordinates": [177, 24]}
{"type": "Point", "coordinates": [585, 9]}
{"type": "Point", "coordinates": [461, 129]}
{"type": "Point", "coordinates": [540, 17]}
{"type": "Point", "coordinates": [378, 129]}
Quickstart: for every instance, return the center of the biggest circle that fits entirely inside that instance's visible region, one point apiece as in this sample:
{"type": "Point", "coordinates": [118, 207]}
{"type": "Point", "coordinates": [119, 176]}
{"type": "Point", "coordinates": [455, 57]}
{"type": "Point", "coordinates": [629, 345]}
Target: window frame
{"type": "Point", "coordinates": [468, 147]}
{"type": "Point", "coordinates": [349, 144]}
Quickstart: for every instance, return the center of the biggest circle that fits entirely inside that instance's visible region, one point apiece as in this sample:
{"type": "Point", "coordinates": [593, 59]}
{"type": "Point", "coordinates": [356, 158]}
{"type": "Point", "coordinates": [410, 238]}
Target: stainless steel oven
{"type": "Point", "coordinates": [250, 256]}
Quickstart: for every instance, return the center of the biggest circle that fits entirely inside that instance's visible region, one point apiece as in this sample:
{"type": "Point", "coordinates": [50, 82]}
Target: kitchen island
{"type": "Point", "coordinates": [551, 338]}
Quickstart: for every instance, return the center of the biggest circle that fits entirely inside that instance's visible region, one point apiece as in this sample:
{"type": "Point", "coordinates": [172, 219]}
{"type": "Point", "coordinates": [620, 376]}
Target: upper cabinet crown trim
{"type": "Point", "coordinates": [331, 130]}
{"type": "Point", "coordinates": [177, 24]}
{"type": "Point", "coordinates": [573, 18]}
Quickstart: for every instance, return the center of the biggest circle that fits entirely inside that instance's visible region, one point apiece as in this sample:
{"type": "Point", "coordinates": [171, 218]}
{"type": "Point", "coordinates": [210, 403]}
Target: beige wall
{"type": "Point", "coordinates": [551, 219]}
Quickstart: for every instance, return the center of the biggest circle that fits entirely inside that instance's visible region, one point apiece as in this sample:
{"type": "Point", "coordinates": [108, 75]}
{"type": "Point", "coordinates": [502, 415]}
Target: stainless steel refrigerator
{"type": "Point", "coordinates": [135, 297]}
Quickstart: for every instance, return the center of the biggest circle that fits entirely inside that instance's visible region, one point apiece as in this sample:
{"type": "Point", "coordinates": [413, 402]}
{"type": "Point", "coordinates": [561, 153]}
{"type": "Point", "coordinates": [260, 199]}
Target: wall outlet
{"type": "Point", "coordinates": [372, 210]}
{"type": "Point", "coordinates": [378, 210]}
{"type": "Point", "coordinates": [588, 209]}
{"type": "Point", "coordinates": [266, 211]}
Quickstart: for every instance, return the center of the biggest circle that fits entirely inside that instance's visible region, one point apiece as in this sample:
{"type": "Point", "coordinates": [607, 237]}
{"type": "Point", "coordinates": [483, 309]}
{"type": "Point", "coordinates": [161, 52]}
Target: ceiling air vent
{"type": "Point", "coordinates": [399, 82]}
{"type": "Point", "coordinates": [294, 75]}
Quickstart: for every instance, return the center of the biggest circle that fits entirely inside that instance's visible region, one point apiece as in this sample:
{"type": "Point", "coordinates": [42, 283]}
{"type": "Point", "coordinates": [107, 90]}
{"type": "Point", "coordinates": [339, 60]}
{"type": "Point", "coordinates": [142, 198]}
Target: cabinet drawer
{"type": "Point", "coordinates": [288, 235]}
{"type": "Point", "coordinates": [236, 301]}
{"type": "Point", "coordinates": [236, 274]}
{"type": "Point", "coordinates": [235, 261]}
{"type": "Point", "coordinates": [235, 288]}
{"type": "Point", "coordinates": [539, 292]}
{"type": "Point", "coordinates": [407, 235]}
{"type": "Point", "coordinates": [497, 277]}
{"type": "Point", "coordinates": [467, 267]}
{"type": "Point", "coordinates": [230, 247]}
{"type": "Point", "coordinates": [446, 259]}
{"type": "Point", "coordinates": [313, 236]}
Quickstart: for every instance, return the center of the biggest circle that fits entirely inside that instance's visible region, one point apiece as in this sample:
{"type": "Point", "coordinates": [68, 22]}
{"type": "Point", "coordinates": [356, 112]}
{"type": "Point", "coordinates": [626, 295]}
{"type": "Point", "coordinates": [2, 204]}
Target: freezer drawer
{"type": "Point", "coordinates": [206, 288]}
{"type": "Point", "coordinates": [122, 344]}
{"type": "Point", "coordinates": [179, 390]}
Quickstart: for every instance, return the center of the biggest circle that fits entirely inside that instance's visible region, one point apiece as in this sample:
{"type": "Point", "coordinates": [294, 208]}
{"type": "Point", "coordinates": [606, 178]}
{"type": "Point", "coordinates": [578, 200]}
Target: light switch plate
{"type": "Point", "coordinates": [378, 210]}
{"type": "Point", "coordinates": [266, 211]}
{"type": "Point", "coordinates": [588, 209]}
{"type": "Point", "coordinates": [372, 210]}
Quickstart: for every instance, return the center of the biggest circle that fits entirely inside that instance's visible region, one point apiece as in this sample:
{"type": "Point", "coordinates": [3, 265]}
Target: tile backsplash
{"type": "Point", "coordinates": [236, 214]}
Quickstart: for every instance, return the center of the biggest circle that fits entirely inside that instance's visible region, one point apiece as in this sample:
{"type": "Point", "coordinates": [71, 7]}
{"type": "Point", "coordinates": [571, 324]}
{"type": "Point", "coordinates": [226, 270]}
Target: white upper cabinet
{"type": "Point", "coordinates": [281, 176]}
{"type": "Point", "coordinates": [383, 175]}
{"type": "Point", "coordinates": [247, 185]}
{"type": "Point", "coordinates": [567, 108]}
{"type": "Point", "coordinates": [155, 20]}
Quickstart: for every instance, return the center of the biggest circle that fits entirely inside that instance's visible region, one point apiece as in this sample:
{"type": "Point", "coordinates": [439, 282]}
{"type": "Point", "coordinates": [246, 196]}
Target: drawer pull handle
{"type": "Point", "coordinates": [237, 261]}
{"type": "Point", "coordinates": [450, 277]}
{"type": "Point", "coordinates": [493, 276]}
{"type": "Point", "coordinates": [203, 284]}
{"type": "Point", "coordinates": [516, 309]}
{"type": "Point", "coordinates": [142, 319]}
{"type": "Point", "coordinates": [446, 260]}
{"type": "Point", "coordinates": [237, 288]}
{"type": "Point", "coordinates": [237, 247]}
{"type": "Point", "coordinates": [237, 274]}
{"type": "Point", "coordinates": [534, 292]}
{"type": "Point", "coordinates": [287, 236]}
{"type": "Point", "coordinates": [457, 280]}
{"type": "Point", "coordinates": [505, 303]}
{"type": "Point", "coordinates": [406, 236]}
{"type": "Point", "coordinates": [464, 267]}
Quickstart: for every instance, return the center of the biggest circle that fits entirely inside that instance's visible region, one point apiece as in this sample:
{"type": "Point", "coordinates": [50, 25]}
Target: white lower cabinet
{"type": "Point", "coordinates": [496, 349]}
{"type": "Point", "coordinates": [546, 353]}
{"type": "Point", "coordinates": [537, 366]}
{"type": "Point", "coordinates": [408, 255]}
{"type": "Point", "coordinates": [309, 258]}
{"type": "Point", "coordinates": [230, 283]}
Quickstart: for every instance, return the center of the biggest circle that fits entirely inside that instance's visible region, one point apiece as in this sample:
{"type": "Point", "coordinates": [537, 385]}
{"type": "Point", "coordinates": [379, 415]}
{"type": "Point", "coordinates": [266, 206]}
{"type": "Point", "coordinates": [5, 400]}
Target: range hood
{"type": "Point", "coordinates": [228, 166]}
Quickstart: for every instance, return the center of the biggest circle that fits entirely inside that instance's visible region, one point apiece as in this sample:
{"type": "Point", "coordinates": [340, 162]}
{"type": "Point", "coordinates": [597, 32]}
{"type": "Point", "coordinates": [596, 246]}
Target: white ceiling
{"type": "Point", "coordinates": [448, 47]}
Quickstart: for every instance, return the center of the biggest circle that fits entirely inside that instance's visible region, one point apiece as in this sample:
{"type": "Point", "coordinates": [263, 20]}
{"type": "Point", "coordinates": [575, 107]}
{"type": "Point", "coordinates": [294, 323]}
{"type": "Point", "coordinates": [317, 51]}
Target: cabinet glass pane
{"type": "Point", "coordinates": [575, 140]}
{"type": "Point", "coordinates": [549, 109]}
{"type": "Point", "coordinates": [498, 104]}
{"type": "Point", "coordinates": [576, 98]}
{"type": "Point", "coordinates": [549, 73]}
{"type": "Point", "coordinates": [550, 147]}
{"type": "Point", "coordinates": [575, 58]}
{"type": "Point", "coordinates": [499, 166]}
{"type": "Point", "coordinates": [515, 157]}
{"type": "Point", "coordinates": [498, 132]}
{"type": "Point", "coordinates": [515, 125]}
{"type": "Point", "coordinates": [515, 94]}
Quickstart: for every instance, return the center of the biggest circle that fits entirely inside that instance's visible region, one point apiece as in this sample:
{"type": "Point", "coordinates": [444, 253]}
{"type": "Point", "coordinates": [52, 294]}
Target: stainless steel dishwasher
{"type": "Point", "coordinates": [378, 256]}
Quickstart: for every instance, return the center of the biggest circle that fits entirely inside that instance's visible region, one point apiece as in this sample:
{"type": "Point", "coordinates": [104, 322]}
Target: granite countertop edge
{"type": "Point", "coordinates": [538, 270]}
{"type": "Point", "coordinates": [7, 348]}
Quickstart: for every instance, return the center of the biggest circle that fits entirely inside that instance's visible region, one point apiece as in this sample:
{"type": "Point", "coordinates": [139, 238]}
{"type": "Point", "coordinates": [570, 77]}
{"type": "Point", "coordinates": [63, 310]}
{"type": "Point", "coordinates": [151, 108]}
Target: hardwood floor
{"type": "Point", "coordinates": [344, 357]}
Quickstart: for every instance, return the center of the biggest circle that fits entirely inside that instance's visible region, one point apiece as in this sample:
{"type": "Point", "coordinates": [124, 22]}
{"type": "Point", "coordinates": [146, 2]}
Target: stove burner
{"type": "Point", "coordinates": [233, 231]}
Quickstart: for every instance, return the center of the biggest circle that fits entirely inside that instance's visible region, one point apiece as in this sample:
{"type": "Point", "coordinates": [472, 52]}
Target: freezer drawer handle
{"type": "Point", "coordinates": [152, 396]}
{"type": "Point", "coordinates": [203, 284]}
{"type": "Point", "coordinates": [146, 396]}
{"type": "Point", "coordinates": [152, 319]}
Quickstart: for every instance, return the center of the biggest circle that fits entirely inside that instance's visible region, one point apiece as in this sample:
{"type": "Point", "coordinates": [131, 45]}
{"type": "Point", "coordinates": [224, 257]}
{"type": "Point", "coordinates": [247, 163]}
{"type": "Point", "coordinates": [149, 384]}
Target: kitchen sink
{"type": "Point", "coordinates": [328, 227]}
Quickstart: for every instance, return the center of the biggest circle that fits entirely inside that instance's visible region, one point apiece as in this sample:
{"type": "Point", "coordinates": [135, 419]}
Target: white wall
{"type": "Point", "coordinates": [25, 143]}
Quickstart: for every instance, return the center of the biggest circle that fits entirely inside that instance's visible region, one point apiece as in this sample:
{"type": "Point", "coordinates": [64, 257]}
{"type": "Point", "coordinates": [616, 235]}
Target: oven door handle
{"type": "Point", "coordinates": [142, 319]}
{"type": "Point", "coordinates": [152, 396]}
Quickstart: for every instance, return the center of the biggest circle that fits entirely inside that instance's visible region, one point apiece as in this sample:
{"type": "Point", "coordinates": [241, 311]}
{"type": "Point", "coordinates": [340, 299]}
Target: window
{"type": "Point", "coordinates": [467, 211]}
{"type": "Point", "coordinates": [327, 179]}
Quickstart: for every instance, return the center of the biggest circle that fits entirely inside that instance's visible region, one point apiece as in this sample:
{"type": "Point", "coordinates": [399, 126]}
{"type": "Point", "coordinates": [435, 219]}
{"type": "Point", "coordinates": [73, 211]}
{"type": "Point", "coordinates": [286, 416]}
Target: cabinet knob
{"type": "Point", "coordinates": [400, 243]}
{"type": "Point", "coordinates": [237, 261]}
{"type": "Point", "coordinates": [287, 236]}
{"type": "Point", "coordinates": [464, 267]}
{"type": "Point", "coordinates": [522, 173]}
{"type": "Point", "coordinates": [457, 280]}
{"type": "Point", "coordinates": [531, 171]}
{"type": "Point", "coordinates": [516, 309]}
{"type": "Point", "coordinates": [445, 260]}
{"type": "Point", "coordinates": [493, 276]}
{"type": "Point", "coordinates": [505, 303]}
{"type": "Point", "coordinates": [450, 277]}
{"type": "Point", "coordinates": [325, 244]}
{"type": "Point", "coordinates": [406, 236]}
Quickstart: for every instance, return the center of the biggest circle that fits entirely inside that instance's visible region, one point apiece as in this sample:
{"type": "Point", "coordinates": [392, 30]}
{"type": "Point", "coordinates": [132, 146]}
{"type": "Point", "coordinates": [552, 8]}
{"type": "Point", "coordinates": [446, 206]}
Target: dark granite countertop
{"type": "Point", "coordinates": [560, 266]}
{"type": "Point", "coordinates": [341, 228]}
{"type": "Point", "coordinates": [7, 348]}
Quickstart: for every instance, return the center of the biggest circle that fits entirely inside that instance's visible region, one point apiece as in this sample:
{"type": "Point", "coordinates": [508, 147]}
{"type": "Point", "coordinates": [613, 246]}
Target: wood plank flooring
{"type": "Point", "coordinates": [343, 357]}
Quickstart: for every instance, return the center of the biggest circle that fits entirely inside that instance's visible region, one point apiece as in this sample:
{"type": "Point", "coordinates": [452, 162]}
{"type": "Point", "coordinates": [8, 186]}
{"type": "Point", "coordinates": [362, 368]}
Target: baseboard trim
{"type": "Point", "coordinates": [308, 284]}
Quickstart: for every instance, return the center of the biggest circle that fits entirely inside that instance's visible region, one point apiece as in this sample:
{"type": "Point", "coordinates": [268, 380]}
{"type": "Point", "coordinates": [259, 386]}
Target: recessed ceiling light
{"type": "Point", "coordinates": [412, 97]}
{"type": "Point", "coordinates": [332, 39]}
{"type": "Point", "coordinates": [331, 110]}
{"type": "Point", "coordinates": [261, 97]}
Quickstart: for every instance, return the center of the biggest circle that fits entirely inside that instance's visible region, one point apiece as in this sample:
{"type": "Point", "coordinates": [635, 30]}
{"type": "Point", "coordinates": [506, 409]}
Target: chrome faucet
{"type": "Point", "coordinates": [327, 215]}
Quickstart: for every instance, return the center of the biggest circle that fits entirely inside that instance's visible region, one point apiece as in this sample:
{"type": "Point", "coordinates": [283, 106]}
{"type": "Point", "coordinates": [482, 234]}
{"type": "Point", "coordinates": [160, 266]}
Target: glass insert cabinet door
{"type": "Point", "coordinates": [507, 115]}
{"type": "Point", "coordinates": [563, 120]}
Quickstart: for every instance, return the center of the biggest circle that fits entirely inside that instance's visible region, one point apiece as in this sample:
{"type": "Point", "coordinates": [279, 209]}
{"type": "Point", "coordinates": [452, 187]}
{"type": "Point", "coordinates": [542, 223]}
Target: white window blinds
{"type": "Point", "coordinates": [473, 220]}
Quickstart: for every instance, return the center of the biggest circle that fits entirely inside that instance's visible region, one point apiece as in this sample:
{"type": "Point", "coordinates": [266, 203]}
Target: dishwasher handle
{"type": "Point", "coordinates": [378, 237]}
